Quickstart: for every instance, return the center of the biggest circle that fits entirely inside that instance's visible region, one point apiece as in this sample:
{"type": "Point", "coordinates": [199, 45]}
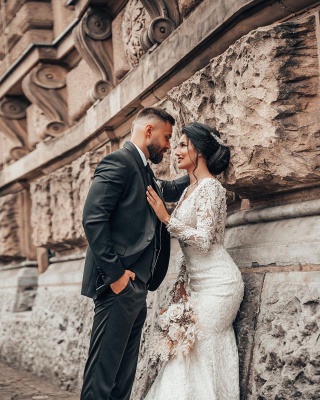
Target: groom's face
{"type": "Point", "coordinates": [159, 140]}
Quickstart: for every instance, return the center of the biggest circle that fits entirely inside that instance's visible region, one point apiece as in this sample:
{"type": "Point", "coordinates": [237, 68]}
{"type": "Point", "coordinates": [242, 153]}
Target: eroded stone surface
{"type": "Point", "coordinates": [57, 203]}
{"type": "Point", "coordinates": [9, 232]}
{"type": "Point", "coordinates": [286, 360]}
{"type": "Point", "coordinates": [245, 326]}
{"type": "Point", "coordinates": [52, 340]}
{"type": "Point", "coordinates": [262, 95]}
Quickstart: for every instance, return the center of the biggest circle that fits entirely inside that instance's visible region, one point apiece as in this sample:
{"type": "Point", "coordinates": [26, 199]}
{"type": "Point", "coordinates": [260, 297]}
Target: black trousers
{"type": "Point", "coordinates": [114, 346]}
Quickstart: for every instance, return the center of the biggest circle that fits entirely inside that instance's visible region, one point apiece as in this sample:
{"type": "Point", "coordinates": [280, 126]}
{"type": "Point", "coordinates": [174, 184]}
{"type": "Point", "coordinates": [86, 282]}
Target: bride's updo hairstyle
{"type": "Point", "coordinates": [206, 141]}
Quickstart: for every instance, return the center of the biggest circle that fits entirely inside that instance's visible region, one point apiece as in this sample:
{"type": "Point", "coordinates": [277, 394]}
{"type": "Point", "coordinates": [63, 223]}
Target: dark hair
{"type": "Point", "coordinates": [157, 113]}
{"type": "Point", "coordinates": [204, 139]}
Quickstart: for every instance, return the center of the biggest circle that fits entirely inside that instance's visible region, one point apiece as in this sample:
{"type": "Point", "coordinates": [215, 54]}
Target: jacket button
{"type": "Point", "coordinates": [149, 239]}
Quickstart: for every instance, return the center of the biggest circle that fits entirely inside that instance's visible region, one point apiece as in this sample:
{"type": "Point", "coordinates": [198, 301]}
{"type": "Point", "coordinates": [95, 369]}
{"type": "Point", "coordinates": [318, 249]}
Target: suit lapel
{"type": "Point", "coordinates": [134, 152]}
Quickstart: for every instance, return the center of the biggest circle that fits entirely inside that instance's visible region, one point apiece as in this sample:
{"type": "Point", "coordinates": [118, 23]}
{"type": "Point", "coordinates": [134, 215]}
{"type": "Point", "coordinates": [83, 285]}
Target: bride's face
{"type": "Point", "coordinates": [186, 154]}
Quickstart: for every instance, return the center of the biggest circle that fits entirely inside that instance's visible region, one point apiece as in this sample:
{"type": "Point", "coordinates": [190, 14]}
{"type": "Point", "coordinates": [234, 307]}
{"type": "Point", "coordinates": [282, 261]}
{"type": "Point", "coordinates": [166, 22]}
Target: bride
{"type": "Point", "coordinates": [207, 273]}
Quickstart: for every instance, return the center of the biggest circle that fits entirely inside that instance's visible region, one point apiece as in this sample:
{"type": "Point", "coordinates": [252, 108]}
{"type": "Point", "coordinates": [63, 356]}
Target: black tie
{"type": "Point", "coordinates": [149, 175]}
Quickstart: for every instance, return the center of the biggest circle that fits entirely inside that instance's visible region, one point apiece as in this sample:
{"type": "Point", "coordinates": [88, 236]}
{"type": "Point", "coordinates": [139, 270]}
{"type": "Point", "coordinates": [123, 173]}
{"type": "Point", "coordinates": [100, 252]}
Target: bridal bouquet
{"type": "Point", "coordinates": [177, 329]}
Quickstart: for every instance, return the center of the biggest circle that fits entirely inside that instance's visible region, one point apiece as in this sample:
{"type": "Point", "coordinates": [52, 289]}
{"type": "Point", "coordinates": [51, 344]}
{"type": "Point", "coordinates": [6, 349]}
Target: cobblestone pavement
{"type": "Point", "coordinates": [20, 385]}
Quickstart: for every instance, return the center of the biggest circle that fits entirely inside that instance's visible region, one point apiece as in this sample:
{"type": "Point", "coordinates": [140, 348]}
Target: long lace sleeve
{"type": "Point", "coordinates": [210, 204]}
{"type": "Point", "coordinates": [182, 275]}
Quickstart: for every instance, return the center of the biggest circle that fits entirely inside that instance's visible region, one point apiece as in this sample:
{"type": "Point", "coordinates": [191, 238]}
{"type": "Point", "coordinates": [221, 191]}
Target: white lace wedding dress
{"type": "Point", "coordinates": [215, 287]}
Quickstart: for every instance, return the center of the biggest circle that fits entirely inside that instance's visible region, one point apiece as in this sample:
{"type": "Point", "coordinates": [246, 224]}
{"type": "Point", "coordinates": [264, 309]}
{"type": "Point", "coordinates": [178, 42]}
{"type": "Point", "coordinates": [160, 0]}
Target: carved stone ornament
{"type": "Point", "coordinates": [165, 18]}
{"type": "Point", "coordinates": [45, 86]}
{"type": "Point", "coordinates": [91, 40]}
{"type": "Point", "coordinates": [134, 22]}
{"type": "Point", "coordinates": [13, 124]}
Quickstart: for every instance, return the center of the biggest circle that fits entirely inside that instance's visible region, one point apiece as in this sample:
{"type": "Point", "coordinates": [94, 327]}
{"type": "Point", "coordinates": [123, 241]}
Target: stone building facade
{"type": "Point", "coordinates": [73, 75]}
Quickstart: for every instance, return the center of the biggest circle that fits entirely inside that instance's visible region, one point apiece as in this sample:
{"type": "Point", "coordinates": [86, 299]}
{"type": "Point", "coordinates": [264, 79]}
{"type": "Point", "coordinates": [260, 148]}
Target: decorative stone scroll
{"type": "Point", "coordinates": [13, 124]}
{"type": "Point", "coordinates": [165, 18]}
{"type": "Point", "coordinates": [45, 86]}
{"type": "Point", "coordinates": [91, 40]}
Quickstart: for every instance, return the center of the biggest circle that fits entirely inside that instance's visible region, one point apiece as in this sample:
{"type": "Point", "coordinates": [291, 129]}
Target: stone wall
{"type": "Point", "coordinates": [58, 200]}
{"type": "Point", "coordinates": [257, 82]}
{"type": "Point", "coordinates": [9, 220]}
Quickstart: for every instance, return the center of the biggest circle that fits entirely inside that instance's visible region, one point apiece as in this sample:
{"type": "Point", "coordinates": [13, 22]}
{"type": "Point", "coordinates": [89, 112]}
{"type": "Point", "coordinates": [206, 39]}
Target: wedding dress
{"type": "Point", "coordinates": [215, 287]}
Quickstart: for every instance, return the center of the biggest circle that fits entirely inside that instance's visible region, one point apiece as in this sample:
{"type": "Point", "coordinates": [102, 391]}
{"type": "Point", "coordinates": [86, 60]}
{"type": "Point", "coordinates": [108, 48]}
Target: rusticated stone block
{"type": "Point", "coordinates": [262, 95]}
{"type": "Point", "coordinates": [61, 205]}
{"type": "Point", "coordinates": [57, 203]}
{"type": "Point", "coordinates": [41, 212]}
{"type": "Point", "coordinates": [293, 241]}
{"type": "Point", "coordinates": [82, 173]}
{"type": "Point", "coordinates": [286, 360]}
{"type": "Point", "coordinates": [245, 326]}
{"type": "Point", "coordinates": [9, 232]}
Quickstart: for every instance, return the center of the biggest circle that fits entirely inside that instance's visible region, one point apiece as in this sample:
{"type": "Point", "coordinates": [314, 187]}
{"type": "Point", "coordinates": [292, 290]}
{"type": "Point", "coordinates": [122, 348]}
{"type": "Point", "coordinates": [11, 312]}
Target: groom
{"type": "Point", "coordinates": [128, 253]}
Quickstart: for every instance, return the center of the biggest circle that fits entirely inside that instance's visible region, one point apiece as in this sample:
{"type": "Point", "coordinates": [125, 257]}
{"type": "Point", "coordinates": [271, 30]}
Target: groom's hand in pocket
{"type": "Point", "coordinates": [118, 286]}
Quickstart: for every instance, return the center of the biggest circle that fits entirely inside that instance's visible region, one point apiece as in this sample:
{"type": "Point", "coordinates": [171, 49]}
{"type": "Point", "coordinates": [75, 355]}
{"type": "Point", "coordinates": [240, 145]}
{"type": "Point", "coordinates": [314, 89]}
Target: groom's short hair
{"type": "Point", "coordinates": [157, 113]}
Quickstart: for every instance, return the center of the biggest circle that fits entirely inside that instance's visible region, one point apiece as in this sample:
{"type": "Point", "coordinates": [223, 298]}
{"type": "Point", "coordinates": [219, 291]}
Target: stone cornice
{"type": "Point", "coordinates": [35, 53]}
{"type": "Point", "coordinates": [205, 34]}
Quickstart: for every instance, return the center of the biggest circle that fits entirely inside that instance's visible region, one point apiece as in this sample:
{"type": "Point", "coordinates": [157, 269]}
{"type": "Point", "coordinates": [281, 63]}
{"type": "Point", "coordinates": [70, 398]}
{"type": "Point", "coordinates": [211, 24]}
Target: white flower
{"type": "Point", "coordinates": [175, 331]}
{"type": "Point", "coordinates": [175, 312]}
{"type": "Point", "coordinates": [164, 321]}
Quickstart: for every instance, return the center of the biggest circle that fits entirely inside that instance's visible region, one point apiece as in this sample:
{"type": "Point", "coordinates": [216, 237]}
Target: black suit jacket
{"type": "Point", "coordinates": [119, 223]}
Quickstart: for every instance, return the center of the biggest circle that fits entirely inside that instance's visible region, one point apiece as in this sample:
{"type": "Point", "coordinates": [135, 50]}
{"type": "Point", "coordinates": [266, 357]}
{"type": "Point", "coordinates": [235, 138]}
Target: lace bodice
{"type": "Point", "coordinates": [198, 222]}
{"type": "Point", "coordinates": [206, 225]}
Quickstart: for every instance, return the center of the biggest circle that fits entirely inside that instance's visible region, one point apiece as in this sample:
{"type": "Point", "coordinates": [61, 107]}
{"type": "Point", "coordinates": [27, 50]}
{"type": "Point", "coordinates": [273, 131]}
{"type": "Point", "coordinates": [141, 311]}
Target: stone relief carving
{"type": "Point", "coordinates": [91, 40]}
{"type": "Point", "coordinates": [13, 124]}
{"type": "Point", "coordinates": [134, 22]}
{"type": "Point", "coordinates": [45, 86]}
{"type": "Point", "coordinates": [160, 16]}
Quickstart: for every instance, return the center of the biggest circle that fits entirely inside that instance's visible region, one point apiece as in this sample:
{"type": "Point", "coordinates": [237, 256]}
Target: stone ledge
{"type": "Point", "coordinates": [298, 210]}
{"type": "Point", "coordinates": [262, 269]}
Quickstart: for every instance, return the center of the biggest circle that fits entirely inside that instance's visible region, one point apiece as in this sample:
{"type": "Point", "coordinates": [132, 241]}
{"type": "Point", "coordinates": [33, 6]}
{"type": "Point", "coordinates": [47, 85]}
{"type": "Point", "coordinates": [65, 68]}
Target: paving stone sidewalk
{"type": "Point", "coordinates": [20, 385]}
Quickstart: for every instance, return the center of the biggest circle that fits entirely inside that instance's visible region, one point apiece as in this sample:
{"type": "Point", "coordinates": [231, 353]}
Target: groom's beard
{"type": "Point", "coordinates": [156, 152]}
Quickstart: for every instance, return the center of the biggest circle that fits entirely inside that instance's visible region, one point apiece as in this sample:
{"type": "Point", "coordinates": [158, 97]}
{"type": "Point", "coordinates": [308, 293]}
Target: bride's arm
{"type": "Point", "coordinates": [179, 290]}
{"type": "Point", "coordinates": [210, 199]}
